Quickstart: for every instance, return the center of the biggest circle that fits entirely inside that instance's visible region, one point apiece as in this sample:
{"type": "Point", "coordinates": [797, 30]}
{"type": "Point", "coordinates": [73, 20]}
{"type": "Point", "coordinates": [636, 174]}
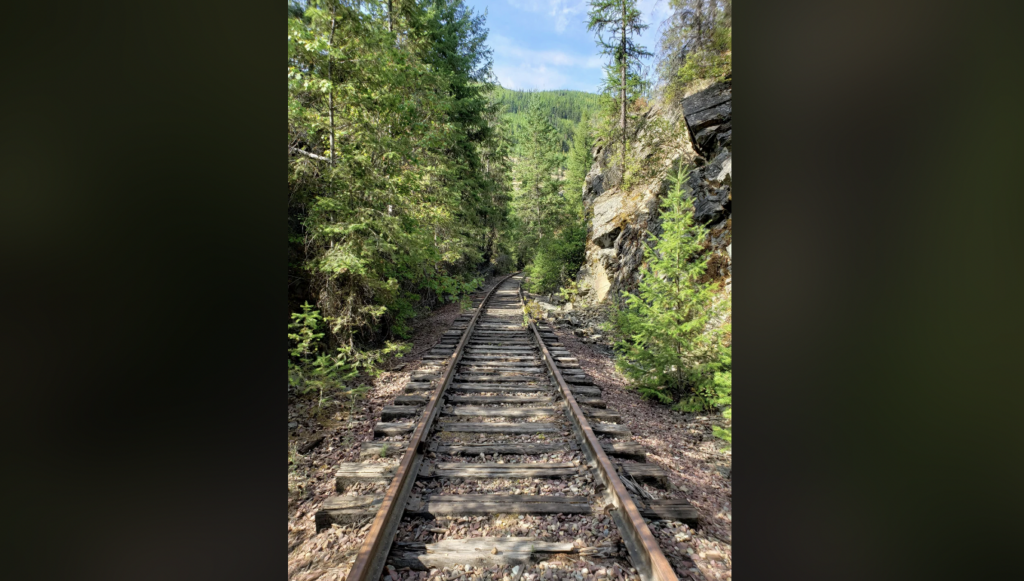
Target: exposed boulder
{"type": "Point", "coordinates": [709, 118]}
{"type": "Point", "coordinates": [623, 219]}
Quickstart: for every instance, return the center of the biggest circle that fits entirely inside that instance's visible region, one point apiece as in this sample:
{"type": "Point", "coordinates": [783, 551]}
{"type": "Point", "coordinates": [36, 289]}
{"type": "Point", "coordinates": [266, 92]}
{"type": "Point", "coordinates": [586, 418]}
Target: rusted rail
{"type": "Point", "coordinates": [646, 555]}
{"type": "Point", "coordinates": [369, 562]}
{"type": "Point", "coordinates": [644, 550]}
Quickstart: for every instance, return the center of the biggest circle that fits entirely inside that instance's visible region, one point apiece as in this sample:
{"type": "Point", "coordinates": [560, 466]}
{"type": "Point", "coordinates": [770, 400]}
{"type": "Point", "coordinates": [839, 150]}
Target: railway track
{"type": "Point", "coordinates": [506, 460]}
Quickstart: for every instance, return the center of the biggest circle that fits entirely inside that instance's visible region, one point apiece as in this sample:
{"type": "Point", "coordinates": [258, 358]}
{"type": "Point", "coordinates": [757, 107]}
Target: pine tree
{"type": "Point", "coordinates": [580, 160]}
{"type": "Point", "coordinates": [664, 344]}
{"type": "Point", "coordinates": [620, 19]}
{"type": "Point", "coordinates": [394, 176]}
{"type": "Point", "coordinates": [536, 172]}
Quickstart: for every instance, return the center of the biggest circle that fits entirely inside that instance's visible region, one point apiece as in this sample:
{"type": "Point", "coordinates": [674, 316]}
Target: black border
{"type": "Point", "coordinates": [877, 293]}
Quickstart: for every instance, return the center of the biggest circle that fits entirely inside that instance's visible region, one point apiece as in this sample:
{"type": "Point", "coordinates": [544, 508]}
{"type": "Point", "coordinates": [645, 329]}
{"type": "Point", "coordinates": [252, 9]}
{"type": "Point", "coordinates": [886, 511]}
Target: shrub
{"type": "Point", "coordinates": [665, 343]}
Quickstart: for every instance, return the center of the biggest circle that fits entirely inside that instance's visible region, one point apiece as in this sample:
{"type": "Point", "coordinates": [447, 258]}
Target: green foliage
{"type": "Point", "coordinates": [579, 160]}
{"type": "Point", "coordinates": [557, 259]}
{"type": "Point", "coordinates": [536, 201]}
{"type": "Point", "coordinates": [549, 231]}
{"type": "Point", "coordinates": [565, 110]}
{"type": "Point", "coordinates": [570, 292]}
{"type": "Point", "coordinates": [399, 184]}
{"type": "Point", "coordinates": [311, 367]}
{"type": "Point", "coordinates": [708, 63]}
{"type": "Point", "coordinates": [664, 342]}
{"type": "Point", "coordinates": [305, 326]}
{"type": "Point", "coordinates": [696, 44]}
{"type": "Point", "coordinates": [616, 22]}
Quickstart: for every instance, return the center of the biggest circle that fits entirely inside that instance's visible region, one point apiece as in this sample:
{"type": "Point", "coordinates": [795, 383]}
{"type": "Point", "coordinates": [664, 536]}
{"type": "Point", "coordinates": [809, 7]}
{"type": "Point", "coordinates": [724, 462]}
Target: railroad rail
{"type": "Point", "coordinates": [502, 389]}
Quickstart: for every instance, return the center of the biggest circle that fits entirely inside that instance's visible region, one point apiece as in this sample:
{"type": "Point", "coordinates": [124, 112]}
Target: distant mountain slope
{"type": "Point", "coordinates": [564, 109]}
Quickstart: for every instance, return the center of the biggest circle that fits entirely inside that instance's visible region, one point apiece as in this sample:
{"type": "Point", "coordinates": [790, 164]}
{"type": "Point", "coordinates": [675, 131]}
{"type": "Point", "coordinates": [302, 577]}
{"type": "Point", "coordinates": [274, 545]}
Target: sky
{"type": "Point", "coordinates": [544, 44]}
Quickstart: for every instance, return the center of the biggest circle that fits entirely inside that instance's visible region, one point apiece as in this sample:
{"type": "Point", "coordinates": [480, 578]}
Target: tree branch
{"type": "Point", "coordinates": [308, 154]}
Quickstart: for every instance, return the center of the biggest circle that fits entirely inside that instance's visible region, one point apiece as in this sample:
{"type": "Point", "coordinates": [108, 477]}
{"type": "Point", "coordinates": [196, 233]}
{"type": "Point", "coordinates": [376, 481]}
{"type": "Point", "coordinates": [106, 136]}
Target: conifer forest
{"type": "Point", "coordinates": [417, 183]}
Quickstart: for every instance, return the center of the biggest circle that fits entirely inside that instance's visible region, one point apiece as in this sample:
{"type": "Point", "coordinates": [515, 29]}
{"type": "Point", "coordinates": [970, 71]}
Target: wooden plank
{"type": "Point", "coordinates": [476, 341]}
{"type": "Point", "coordinates": [479, 552]}
{"type": "Point", "coordinates": [594, 402]}
{"type": "Point", "coordinates": [393, 428]}
{"type": "Point", "coordinates": [648, 473]}
{"type": "Point", "coordinates": [411, 400]}
{"type": "Point", "coordinates": [602, 415]}
{"type": "Point", "coordinates": [353, 472]}
{"type": "Point", "coordinates": [484, 387]}
{"type": "Point", "coordinates": [503, 465]}
{"type": "Point", "coordinates": [486, 358]}
{"type": "Point", "coordinates": [585, 390]}
{"type": "Point", "coordinates": [346, 510]}
{"type": "Point", "coordinates": [393, 412]}
{"type": "Point", "coordinates": [498, 371]}
{"type": "Point", "coordinates": [503, 471]}
{"type": "Point", "coordinates": [489, 504]}
{"type": "Point", "coordinates": [499, 427]}
{"type": "Point", "coordinates": [503, 368]}
{"type": "Point", "coordinates": [495, 355]}
{"type": "Point", "coordinates": [494, 399]}
{"type": "Point", "coordinates": [382, 449]}
{"type": "Point", "coordinates": [670, 509]}
{"type": "Point", "coordinates": [644, 551]}
{"type": "Point", "coordinates": [369, 561]}
{"type": "Point", "coordinates": [502, 412]}
{"type": "Point", "coordinates": [417, 388]}
{"type": "Point", "coordinates": [502, 378]}
{"type": "Point", "coordinates": [578, 380]}
{"type": "Point", "coordinates": [529, 448]}
{"type": "Point", "coordinates": [610, 429]}
{"type": "Point", "coordinates": [630, 450]}
{"type": "Point", "coordinates": [500, 366]}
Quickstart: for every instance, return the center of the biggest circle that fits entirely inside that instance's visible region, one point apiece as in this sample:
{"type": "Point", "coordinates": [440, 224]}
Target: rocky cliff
{"type": "Point", "coordinates": [696, 130]}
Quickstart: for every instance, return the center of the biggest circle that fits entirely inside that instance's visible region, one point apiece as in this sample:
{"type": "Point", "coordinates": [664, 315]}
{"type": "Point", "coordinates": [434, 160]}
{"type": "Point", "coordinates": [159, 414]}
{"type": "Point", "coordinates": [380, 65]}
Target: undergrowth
{"type": "Point", "coordinates": [666, 341]}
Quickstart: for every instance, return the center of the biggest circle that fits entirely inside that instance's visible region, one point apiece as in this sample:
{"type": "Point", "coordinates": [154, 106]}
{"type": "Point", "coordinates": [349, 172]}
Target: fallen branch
{"type": "Point", "coordinates": [308, 154]}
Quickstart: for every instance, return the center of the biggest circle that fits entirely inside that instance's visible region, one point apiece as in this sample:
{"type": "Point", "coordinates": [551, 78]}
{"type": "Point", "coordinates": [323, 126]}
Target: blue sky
{"type": "Point", "coordinates": [544, 44]}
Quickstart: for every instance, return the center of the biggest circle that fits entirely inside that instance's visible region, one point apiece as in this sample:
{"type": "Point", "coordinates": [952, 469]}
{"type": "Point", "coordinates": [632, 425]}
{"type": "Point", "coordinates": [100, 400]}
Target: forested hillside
{"type": "Point", "coordinates": [415, 180]}
{"type": "Point", "coordinates": [413, 174]}
{"type": "Point", "coordinates": [563, 109]}
{"type": "Point", "coordinates": [398, 174]}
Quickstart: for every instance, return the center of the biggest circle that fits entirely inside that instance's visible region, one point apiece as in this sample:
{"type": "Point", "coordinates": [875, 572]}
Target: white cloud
{"type": "Point", "coordinates": [507, 48]}
{"type": "Point", "coordinates": [563, 11]}
{"type": "Point", "coordinates": [522, 68]}
{"type": "Point", "coordinates": [529, 76]}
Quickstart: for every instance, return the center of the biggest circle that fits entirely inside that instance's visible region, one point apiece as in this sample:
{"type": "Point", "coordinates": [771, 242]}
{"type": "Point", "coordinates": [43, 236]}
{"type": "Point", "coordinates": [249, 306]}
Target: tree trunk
{"type": "Point", "coordinates": [622, 93]}
{"type": "Point", "coordinates": [330, 78]}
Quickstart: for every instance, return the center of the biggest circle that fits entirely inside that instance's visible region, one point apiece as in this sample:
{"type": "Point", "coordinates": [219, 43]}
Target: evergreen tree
{"type": "Point", "coordinates": [620, 20]}
{"type": "Point", "coordinates": [396, 174]}
{"type": "Point", "coordinates": [564, 111]}
{"type": "Point", "coordinates": [536, 196]}
{"type": "Point", "coordinates": [579, 161]}
{"type": "Point", "coordinates": [558, 250]}
{"type": "Point", "coordinates": [664, 343]}
{"type": "Point", "coordinates": [696, 43]}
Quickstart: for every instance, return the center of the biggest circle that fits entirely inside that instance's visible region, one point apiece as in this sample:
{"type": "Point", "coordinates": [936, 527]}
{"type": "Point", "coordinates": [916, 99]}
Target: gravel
{"type": "Point", "coordinates": [683, 445]}
{"type": "Point", "coordinates": [328, 556]}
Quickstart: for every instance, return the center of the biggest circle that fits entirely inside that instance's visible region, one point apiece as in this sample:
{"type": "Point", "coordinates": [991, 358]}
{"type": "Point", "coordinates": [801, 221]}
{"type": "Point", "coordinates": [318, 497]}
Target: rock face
{"type": "Point", "coordinates": [699, 133]}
